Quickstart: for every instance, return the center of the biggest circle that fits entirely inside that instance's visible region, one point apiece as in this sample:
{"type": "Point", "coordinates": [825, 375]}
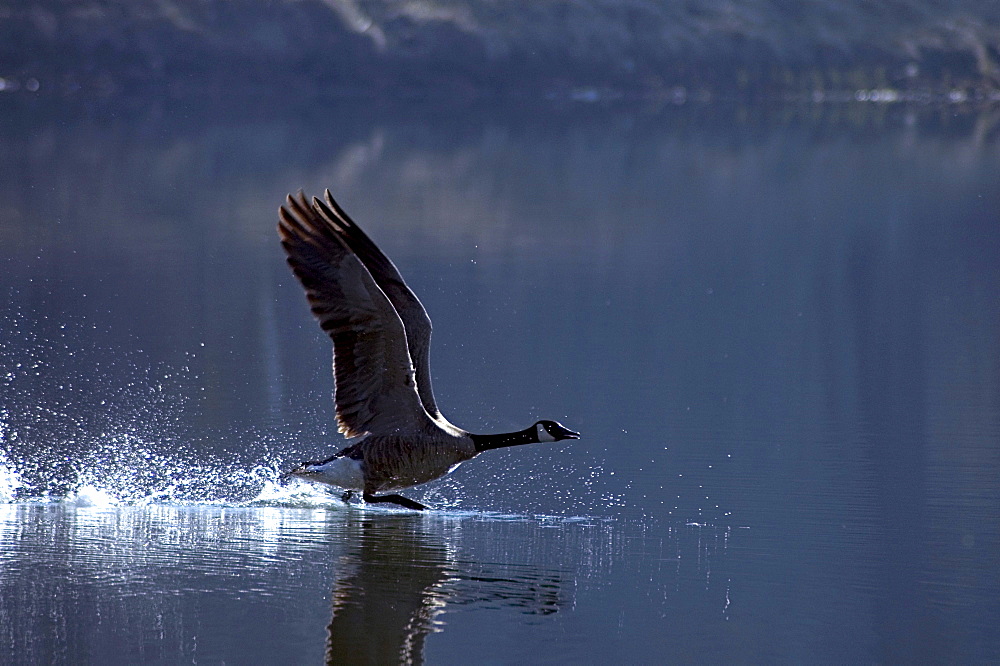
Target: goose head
{"type": "Point", "coordinates": [551, 431]}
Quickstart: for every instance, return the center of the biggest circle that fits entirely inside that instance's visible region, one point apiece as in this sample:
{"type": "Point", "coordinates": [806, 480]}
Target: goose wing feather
{"type": "Point", "coordinates": [415, 320]}
{"type": "Point", "coordinates": [374, 383]}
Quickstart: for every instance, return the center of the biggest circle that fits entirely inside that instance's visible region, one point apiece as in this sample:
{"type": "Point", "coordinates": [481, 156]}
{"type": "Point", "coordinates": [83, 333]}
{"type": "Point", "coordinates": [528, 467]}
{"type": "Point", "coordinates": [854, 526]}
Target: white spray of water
{"type": "Point", "coordinates": [10, 480]}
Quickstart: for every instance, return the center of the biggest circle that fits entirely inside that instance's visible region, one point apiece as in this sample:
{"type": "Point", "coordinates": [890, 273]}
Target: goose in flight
{"type": "Point", "coordinates": [381, 342]}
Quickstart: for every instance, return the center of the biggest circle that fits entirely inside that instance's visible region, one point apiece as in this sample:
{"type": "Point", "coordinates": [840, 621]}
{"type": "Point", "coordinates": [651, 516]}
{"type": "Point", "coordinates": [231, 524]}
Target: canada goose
{"type": "Point", "coordinates": [381, 342]}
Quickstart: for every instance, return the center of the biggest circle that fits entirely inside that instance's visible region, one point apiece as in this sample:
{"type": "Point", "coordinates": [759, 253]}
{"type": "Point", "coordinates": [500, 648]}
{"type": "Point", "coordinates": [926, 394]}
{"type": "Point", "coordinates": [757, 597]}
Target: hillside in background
{"type": "Point", "coordinates": [573, 49]}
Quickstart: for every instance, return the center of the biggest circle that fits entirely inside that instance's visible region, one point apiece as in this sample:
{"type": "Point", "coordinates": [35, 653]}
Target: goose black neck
{"type": "Point", "coordinates": [501, 440]}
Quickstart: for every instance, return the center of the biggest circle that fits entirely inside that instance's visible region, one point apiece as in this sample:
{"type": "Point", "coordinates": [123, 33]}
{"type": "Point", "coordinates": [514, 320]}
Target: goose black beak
{"type": "Point", "coordinates": [562, 432]}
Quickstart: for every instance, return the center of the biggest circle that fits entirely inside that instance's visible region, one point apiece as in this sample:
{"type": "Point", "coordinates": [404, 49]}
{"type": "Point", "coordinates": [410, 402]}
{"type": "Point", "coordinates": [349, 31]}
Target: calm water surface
{"type": "Point", "coordinates": [777, 329]}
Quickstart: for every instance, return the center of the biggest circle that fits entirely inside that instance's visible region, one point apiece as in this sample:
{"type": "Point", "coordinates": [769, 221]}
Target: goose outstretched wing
{"type": "Point", "coordinates": [375, 387]}
{"type": "Point", "coordinates": [415, 320]}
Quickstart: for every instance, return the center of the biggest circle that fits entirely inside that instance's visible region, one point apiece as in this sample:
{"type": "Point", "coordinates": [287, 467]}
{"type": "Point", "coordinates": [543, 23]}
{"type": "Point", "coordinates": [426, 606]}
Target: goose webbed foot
{"type": "Point", "coordinates": [394, 499]}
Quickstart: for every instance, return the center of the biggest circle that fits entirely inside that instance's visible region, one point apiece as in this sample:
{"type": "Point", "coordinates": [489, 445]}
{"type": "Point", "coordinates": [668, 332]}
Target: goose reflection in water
{"type": "Point", "coordinates": [393, 589]}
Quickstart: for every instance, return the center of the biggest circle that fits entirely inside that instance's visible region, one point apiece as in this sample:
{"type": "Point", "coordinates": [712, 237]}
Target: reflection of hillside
{"type": "Point", "coordinates": [138, 186]}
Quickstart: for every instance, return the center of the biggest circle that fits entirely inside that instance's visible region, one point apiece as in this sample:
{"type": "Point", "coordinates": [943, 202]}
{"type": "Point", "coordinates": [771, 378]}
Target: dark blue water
{"type": "Point", "coordinates": [776, 328]}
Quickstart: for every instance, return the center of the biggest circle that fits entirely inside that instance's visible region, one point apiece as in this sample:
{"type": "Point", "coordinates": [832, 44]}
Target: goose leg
{"type": "Point", "coordinates": [394, 499]}
{"type": "Point", "coordinates": [346, 497]}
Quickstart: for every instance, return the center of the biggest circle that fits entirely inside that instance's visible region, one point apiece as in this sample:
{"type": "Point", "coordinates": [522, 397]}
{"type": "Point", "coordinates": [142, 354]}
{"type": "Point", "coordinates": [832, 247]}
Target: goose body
{"type": "Point", "coordinates": [381, 344]}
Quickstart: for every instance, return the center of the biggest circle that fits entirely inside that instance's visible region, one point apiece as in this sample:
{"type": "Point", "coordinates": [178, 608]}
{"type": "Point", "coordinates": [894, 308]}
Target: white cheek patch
{"type": "Point", "coordinates": [543, 434]}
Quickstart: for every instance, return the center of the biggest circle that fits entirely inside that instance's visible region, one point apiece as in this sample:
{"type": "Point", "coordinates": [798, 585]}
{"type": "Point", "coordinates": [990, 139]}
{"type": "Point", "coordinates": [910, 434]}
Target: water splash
{"type": "Point", "coordinates": [294, 493]}
{"type": "Point", "coordinates": [87, 496]}
{"type": "Point", "coordinates": [10, 481]}
{"type": "Point", "coordinates": [98, 427]}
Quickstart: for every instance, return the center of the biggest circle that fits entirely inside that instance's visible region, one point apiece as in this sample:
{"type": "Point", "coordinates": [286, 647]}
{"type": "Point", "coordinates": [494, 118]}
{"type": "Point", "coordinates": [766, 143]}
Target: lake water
{"type": "Point", "coordinates": [778, 330]}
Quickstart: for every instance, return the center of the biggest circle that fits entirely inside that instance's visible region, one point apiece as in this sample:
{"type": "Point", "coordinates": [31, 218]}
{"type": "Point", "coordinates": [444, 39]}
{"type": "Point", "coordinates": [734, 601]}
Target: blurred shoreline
{"type": "Point", "coordinates": [575, 52]}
